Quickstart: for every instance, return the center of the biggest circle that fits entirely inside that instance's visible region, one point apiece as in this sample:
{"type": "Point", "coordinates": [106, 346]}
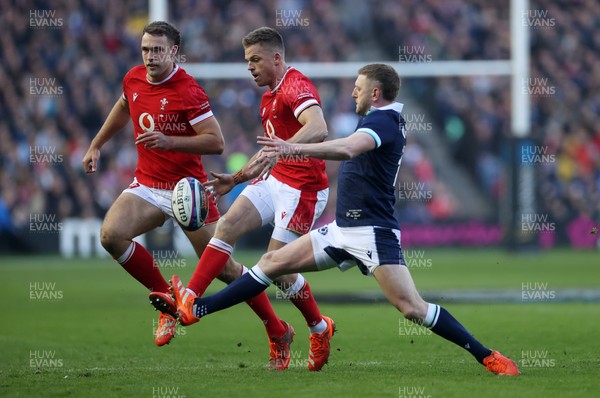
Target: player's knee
{"type": "Point", "coordinates": [112, 241]}
{"type": "Point", "coordinates": [108, 239]}
{"type": "Point", "coordinates": [226, 230]}
{"type": "Point", "coordinates": [266, 260]}
{"type": "Point", "coordinates": [273, 264]}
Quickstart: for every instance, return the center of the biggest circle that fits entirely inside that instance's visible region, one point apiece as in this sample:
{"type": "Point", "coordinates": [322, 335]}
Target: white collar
{"type": "Point", "coordinates": [282, 79]}
{"type": "Point", "coordinates": [396, 106]}
{"type": "Point", "coordinates": [175, 69]}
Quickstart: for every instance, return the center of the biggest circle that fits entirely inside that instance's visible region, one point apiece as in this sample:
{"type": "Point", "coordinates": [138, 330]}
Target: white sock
{"type": "Point", "coordinates": [127, 254]}
{"type": "Point", "coordinates": [260, 276]}
{"type": "Point", "coordinates": [319, 327]}
{"type": "Point", "coordinates": [295, 288]}
{"type": "Point", "coordinates": [433, 312]}
{"type": "Point", "coordinates": [218, 244]}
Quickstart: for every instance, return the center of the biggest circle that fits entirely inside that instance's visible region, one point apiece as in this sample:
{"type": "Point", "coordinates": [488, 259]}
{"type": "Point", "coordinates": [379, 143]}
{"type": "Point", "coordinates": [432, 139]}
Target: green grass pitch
{"type": "Point", "coordinates": [84, 328]}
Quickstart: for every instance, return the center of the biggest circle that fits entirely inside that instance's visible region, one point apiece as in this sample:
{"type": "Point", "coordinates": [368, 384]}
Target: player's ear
{"type": "Point", "coordinates": [174, 49]}
{"type": "Point", "coordinates": [376, 93]}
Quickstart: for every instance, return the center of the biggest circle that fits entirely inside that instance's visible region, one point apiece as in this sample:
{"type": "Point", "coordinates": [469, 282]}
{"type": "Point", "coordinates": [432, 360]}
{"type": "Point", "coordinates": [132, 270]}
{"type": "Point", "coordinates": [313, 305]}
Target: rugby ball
{"type": "Point", "coordinates": [189, 203]}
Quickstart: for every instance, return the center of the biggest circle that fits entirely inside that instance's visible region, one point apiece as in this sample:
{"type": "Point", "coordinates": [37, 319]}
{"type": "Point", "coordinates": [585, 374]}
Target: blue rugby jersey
{"type": "Point", "coordinates": [366, 184]}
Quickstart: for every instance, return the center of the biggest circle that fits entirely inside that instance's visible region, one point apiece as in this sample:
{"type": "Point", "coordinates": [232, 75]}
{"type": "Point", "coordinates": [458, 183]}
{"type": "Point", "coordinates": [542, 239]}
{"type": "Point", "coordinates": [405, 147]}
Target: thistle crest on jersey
{"type": "Point", "coordinates": [189, 203]}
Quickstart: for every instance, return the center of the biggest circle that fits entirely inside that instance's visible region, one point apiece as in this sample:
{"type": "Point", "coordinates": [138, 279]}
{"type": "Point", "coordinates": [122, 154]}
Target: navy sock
{"type": "Point", "coordinates": [449, 328]}
{"type": "Point", "coordinates": [242, 289]}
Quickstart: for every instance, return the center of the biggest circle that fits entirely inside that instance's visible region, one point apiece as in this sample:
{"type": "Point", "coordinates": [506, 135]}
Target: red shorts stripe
{"type": "Point", "coordinates": [303, 217]}
{"type": "Point", "coordinates": [213, 212]}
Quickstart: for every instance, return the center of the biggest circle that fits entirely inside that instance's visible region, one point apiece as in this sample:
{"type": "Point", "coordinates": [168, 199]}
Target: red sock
{"type": "Point", "coordinates": [306, 303]}
{"type": "Point", "coordinates": [141, 265]}
{"type": "Point", "coordinates": [211, 264]}
{"type": "Point", "coordinates": [262, 307]}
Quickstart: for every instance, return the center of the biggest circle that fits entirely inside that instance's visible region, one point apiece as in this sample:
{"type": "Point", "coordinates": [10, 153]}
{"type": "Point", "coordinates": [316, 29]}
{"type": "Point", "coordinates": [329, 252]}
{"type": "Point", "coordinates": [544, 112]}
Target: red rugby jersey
{"type": "Point", "coordinates": [172, 107]}
{"type": "Point", "coordinates": [279, 110]}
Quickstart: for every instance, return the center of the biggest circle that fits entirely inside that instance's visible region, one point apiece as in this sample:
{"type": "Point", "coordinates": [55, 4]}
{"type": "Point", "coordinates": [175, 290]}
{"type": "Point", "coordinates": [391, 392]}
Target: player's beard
{"type": "Point", "coordinates": [362, 107]}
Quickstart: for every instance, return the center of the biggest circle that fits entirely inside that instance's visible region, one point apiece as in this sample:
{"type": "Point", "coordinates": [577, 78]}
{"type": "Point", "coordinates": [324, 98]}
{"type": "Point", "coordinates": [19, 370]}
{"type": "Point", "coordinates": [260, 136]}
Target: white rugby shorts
{"type": "Point", "coordinates": [291, 211]}
{"type": "Point", "coordinates": [161, 198]}
{"type": "Point", "coordinates": [367, 247]}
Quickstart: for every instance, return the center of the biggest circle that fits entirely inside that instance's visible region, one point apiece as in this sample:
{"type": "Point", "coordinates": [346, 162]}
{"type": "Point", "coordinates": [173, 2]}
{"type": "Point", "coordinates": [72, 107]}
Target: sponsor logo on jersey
{"type": "Point", "coordinates": [135, 95]}
{"type": "Point", "coordinates": [146, 122]}
{"type": "Point", "coordinates": [354, 214]}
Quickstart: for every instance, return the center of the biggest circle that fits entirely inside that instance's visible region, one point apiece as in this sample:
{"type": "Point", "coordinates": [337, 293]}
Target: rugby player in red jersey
{"type": "Point", "coordinates": [291, 193]}
{"type": "Point", "coordinates": [173, 126]}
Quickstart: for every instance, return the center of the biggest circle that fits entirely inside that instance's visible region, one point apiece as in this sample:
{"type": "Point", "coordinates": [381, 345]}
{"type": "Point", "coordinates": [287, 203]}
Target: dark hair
{"type": "Point", "coordinates": [387, 78]}
{"type": "Point", "coordinates": [162, 28]}
{"type": "Point", "coordinates": [265, 36]}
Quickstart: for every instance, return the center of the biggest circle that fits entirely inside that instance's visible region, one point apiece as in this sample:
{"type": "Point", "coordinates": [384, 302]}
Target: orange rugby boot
{"type": "Point", "coordinates": [280, 349]}
{"type": "Point", "coordinates": [184, 298]}
{"type": "Point", "coordinates": [164, 303]}
{"type": "Point", "coordinates": [319, 346]}
{"type": "Point", "coordinates": [165, 330]}
{"type": "Point", "coordinates": [500, 365]}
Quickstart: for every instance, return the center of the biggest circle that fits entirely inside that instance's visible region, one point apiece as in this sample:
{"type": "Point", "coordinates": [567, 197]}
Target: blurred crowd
{"type": "Point", "coordinates": [474, 114]}
{"type": "Point", "coordinates": [563, 86]}
{"type": "Point", "coordinates": [59, 83]}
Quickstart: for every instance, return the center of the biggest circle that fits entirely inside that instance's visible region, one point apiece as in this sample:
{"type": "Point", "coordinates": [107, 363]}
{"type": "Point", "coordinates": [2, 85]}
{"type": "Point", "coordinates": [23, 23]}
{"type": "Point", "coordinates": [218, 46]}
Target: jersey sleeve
{"type": "Point", "coordinates": [302, 94]}
{"type": "Point", "coordinates": [381, 127]}
{"type": "Point", "coordinates": [196, 105]}
{"type": "Point", "coordinates": [125, 93]}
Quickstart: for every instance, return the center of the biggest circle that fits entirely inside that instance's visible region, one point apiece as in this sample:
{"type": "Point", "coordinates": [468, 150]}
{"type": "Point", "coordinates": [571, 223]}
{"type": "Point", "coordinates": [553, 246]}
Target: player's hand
{"type": "Point", "coordinates": [221, 185]}
{"type": "Point", "coordinates": [273, 147]}
{"type": "Point", "coordinates": [154, 140]}
{"type": "Point", "coordinates": [264, 163]}
{"type": "Point", "coordinates": [90, 160]}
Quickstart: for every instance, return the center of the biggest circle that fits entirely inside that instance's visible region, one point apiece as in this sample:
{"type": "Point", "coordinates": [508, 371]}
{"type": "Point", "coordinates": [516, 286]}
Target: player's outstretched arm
{"type": "Point", "coordinates": [223, 182]}
{"type": "Point", "coordinates": [117, 119]}
{"type": "Point", "coordinates": [314, 127]}
{"type": "Point", "coordinates": [340, 149]}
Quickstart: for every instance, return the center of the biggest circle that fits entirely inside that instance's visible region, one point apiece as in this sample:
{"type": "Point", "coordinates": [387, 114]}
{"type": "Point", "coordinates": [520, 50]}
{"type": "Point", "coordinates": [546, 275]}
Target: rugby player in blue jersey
{"type": "Point", "coordinates": [365, 233]}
